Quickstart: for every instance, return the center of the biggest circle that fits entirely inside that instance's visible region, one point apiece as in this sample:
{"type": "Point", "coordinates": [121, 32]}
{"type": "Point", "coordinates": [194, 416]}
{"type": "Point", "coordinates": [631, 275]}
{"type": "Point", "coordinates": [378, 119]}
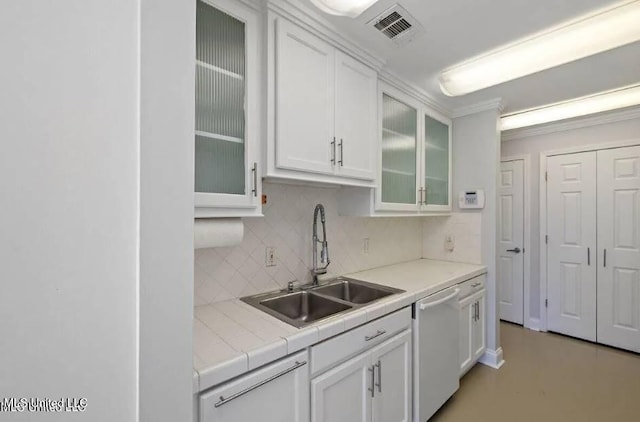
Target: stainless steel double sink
{"type": "Point", "coordinates": [310, 304]}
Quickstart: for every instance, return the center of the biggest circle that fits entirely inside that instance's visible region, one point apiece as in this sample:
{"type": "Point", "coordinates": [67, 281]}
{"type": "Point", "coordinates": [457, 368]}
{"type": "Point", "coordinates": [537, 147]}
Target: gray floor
{"type": "Point", "coordinates": [548, 377]}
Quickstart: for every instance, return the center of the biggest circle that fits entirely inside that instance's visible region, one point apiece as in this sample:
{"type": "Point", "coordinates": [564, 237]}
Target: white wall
{"type": "Point", "coordinates": [96, 238]}
{"type": "Point", "coordinates": [166, 209]}
{"type": "Point", "coordinates": [226, 273]}
{"type": "Point", "coordinates": [534, 145]}
{"type": "Point", "coordinates": [476, 155]}
{"type": "Point", "coordinates": [69, 205]}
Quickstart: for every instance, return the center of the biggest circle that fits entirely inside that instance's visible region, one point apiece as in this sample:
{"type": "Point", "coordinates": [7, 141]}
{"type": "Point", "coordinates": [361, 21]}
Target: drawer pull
{"type": "Point", "coordinates": [258, 385]}
{"type": "Point", "coordinates": [475, 284]}
{"type": "Point", "coordinates": [377, 334]}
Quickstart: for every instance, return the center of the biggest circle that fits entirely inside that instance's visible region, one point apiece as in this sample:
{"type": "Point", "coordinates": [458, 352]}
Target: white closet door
{"type": "Point", "coordinates": [571, 253]}
{"type": "Point", "coordinates": [510, 241]}
{"type": "Point", "coordinates": [619, 235]}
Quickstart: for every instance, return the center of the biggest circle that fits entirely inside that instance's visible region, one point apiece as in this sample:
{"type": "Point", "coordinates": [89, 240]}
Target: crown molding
{"type": "Point", "coordinates": [387, 76]}
{"type": "Point", "coordinates": [577, 123]}
{"type": "Point", "coordinates": [320, 27]}
{"type": "Point", "coordinates": [313, 22]}
{"type": "Point", "coordinates": [493, 104]}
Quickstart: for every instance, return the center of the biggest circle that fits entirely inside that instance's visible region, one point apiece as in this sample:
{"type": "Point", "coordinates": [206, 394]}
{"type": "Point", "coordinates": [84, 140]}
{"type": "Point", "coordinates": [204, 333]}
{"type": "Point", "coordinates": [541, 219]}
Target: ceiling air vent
{"type": "Point", "coordinates": [397, 25]}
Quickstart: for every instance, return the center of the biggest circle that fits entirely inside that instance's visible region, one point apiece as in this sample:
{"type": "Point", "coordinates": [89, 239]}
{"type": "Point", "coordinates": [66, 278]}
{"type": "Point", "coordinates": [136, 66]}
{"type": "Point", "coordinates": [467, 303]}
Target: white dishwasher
{"type": "Point", "coordinates": [435, 352]}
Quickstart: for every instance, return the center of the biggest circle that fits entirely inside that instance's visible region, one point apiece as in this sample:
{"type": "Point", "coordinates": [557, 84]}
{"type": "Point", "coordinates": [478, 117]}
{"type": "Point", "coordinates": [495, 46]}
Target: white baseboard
{"type": "Point", "coordinates": [492, 358]}
{"type": "Point", "coordinates": [533, 324]}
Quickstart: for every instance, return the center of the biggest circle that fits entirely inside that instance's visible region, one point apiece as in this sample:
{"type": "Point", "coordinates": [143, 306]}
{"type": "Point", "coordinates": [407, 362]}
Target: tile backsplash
{"type": "Point", "coordinates": [466, 229]}
{"type": "Point", "coordinates": [226, 273]}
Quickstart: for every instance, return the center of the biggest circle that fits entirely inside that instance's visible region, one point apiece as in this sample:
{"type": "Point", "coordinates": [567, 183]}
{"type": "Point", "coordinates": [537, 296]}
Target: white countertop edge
{"type": "Point", "coordinates": [304, 337]}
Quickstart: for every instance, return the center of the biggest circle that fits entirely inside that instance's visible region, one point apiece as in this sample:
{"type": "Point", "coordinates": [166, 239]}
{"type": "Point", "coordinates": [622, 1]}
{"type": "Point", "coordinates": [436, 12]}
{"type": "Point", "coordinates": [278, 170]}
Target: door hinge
{"type": "Point", "coordinates": [546, 303]}
{"type": "Point", "coordinates": [546, 239]}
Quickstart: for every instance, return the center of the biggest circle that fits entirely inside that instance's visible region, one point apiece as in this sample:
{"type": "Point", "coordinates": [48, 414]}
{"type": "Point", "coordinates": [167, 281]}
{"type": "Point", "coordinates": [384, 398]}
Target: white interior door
{"type": "Point", "coordinates": [511, 241]}
{"type": "Point", "coordinates": [619, 236]}
{"type": "Point", "coordinates": [571, 230]}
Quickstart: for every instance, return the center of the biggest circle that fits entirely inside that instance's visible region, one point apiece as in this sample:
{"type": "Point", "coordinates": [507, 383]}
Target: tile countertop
{"type": "Point", "coordinates": [231, 337]}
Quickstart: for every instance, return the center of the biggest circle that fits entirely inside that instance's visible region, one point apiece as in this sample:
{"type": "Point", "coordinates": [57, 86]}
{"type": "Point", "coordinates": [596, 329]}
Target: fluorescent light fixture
{"type": "Point", "coordinates": [604, 101]}
{"type": "Point", "coordinates": [351, 8]}
{"type": "Point", "coordinates": [588, 35]}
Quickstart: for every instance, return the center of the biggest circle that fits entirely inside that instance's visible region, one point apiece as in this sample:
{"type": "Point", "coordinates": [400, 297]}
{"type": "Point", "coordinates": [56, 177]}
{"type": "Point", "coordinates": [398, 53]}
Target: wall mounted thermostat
{"type": "Point", "coordinates": [471, 199]}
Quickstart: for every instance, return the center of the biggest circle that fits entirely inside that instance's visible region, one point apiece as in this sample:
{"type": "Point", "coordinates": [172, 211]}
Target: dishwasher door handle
{"type": "Point", "coordinates": [424, 306]}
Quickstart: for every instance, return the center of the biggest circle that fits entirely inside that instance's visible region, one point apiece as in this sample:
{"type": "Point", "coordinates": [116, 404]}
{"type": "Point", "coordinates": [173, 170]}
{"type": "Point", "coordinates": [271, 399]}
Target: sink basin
{"type": "Point", "coordinates": [310, 304]}
{"type": "Point", "coordinates": [355, 291]}
{"type": "Point", "coordinates": [303, 307]}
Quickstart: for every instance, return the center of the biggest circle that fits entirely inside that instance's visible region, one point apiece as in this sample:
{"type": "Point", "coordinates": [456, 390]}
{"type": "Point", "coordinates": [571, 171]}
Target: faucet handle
{"type": "Point", "coordinates": [290, 286]}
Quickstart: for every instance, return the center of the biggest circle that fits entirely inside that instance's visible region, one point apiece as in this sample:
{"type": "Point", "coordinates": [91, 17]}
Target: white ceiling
{"type": "Point", "coordinates": [459, 29]}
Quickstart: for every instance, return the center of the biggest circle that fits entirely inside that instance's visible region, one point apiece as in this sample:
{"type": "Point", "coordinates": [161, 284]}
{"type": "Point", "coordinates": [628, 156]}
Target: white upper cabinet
{"type": "Point", "coordinates": [304, 100]}
{"type": "Point", "coordinates": [227, 121]}
{"type": "Point", "coordinates": [415, 156]}
{"type": "Point", "coordinates": [414, 153]}
{"type": "Point", "coordinates": [436, 163]}
{"type": "Point", "coordinates": [355, 117]}
{"type": "Point", "coordinates": [324, 111]}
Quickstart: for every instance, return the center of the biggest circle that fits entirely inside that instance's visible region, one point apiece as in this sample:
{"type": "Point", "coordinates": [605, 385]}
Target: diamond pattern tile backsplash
{"type": "Point", "coordinates": [466, 229]}
{"type": "Point", "coordinates": [226, 273]}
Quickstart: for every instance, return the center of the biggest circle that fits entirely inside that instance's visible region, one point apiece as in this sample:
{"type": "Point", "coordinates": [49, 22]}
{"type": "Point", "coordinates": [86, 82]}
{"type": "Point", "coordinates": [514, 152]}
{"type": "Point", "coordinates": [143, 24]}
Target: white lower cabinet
{"type": "Point", "coordinates": [342, 394]}
{"type": "Point", "coordinates": [472, 330]}
{"type": "Point", "coordinates": [374, 386]}
{"type": "Point", "coordinates": [392, 360]}
{"type": "Point", "coordinates": [278, 392]}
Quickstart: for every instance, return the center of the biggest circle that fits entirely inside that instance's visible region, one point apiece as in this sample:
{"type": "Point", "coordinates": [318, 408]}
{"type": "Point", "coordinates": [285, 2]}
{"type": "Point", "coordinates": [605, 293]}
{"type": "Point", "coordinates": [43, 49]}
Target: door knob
{"type": "Point", "coordinates": [516, 250]}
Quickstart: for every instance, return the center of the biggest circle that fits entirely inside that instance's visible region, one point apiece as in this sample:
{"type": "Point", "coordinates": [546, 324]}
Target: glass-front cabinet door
{"type": "Point", "coordinates": [436, 152]}
{"type": "Point", "coordinates": [226, 173]}
{"type": "Point", "coordinates": [399, 164]}
{"type": "Point", "coordinates": [415, 158]}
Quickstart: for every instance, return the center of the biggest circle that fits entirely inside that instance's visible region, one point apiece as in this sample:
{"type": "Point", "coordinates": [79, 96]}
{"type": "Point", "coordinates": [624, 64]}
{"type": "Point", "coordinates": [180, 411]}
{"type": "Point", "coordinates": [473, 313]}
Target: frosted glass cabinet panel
{"type": "Point", "coordinates": [436, 159]}
{"type": "Point", "coordinates": [399, 149]}
{"type": "Point", "coordinates": [225, 171]}
{"type": "Point", "coordinates": [220, 52]}
{"type": "Point", "coordinates": [415, 175]}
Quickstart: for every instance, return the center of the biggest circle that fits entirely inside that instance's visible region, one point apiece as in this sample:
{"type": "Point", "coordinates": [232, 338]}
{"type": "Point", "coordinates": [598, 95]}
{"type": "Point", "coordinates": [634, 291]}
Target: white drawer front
{"type": "Point", "coordinates": [472, 286]}
{"type": "Point", "coordinates": [275, 392]}
{"type": "Point", "coordinates": [337, 349]}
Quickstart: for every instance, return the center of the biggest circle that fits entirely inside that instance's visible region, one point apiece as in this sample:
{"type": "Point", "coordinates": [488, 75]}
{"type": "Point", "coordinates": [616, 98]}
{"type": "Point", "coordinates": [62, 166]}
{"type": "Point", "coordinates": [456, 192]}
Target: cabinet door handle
{"type": "Point", "coordinates": [605, 258]}
{"type": "Point", "coordinates": [333, 151]}
{"type": "Point", "coordinates": [425, 196]}
{"type": "Point", "coordinates": [377, 334]}
{"type": "Point", "coordinates": [588, 256]}
{"type": "Point", "coordinates": [473, 318]}
{"type": "Point", "coordinates": [514, 250]}
{"type": "Point", "coordinates": [372, 389]}
{"type": "Point", "coordinates": [379, 384]}
{"type": "Point", "coordinates": [258, 385]}
{"type": "Point", "coordinates": [255, 179]}
{"type": "Point", "coordinates": [341, 162]}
